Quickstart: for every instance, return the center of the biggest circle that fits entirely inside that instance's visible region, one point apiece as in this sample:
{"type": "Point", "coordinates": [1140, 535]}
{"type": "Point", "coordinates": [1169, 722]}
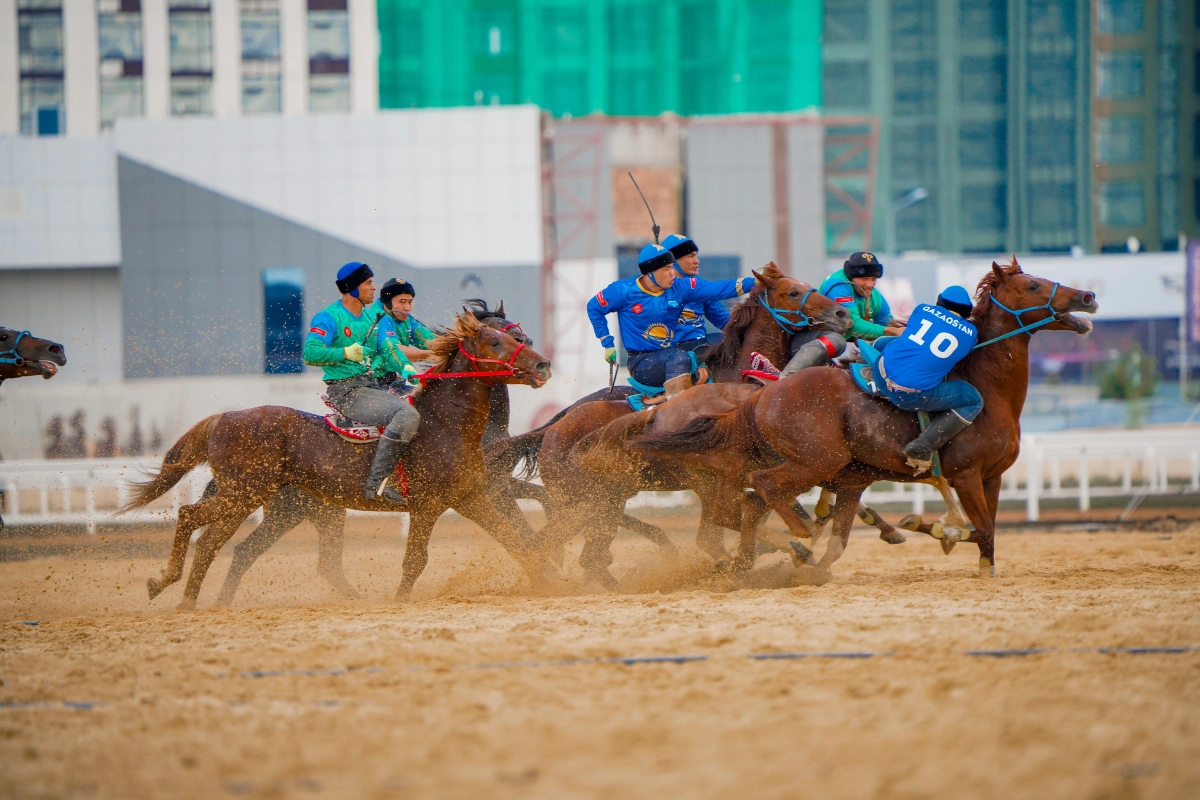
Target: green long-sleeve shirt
{"type": "Point", "coordinates": [332, 330]}
{"type": "Point", "coordinates": [870, 314]}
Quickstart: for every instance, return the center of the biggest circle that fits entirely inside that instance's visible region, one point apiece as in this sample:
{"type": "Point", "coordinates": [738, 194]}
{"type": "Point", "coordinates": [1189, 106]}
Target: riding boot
{"type": "Point", "coordinates": [815, 353]}
{"type": "Point", "coordinates": [677, 385]}
{"type": "Point", "coordinates": [387, 456]}
{"type": "Point", "coordinates": [941, 430]}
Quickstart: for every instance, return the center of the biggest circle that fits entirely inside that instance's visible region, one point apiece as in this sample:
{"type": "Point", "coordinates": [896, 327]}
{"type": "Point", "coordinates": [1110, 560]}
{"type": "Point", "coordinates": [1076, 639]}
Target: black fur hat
{"type": "Point", "coordinates": [863, 265]}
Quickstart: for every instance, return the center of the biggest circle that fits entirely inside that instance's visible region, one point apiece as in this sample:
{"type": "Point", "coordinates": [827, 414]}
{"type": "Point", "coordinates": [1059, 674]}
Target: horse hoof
{"type": "Point", "coordinates": [986, 568]}
{"type": "Point", "coordinates": [911, 522]}
{"type": "Point", "coordinates": [893, 536]}
{"type": "Point", "coordinates": [186, 604]}
{"type": "Point", "coordinates": [948, 544]}
{"type": "Point", "coordinates": [154, 587]}
{"type": "Point", "coordinates": [721, 565]}
{"type": "Point", "coordinates": [800, 553]}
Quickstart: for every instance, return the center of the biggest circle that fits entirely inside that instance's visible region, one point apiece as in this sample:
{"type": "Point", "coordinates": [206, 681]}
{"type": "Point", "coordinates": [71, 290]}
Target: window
{"type": "Point", "coordinates": [493, 32]}
{"type": "Point", "coordinates": [1120, 74]}
{"type": "Point", "coordinates": [328, 56]}
{"type": "Point", "coordinates": [984, 216]}
{"type": "Point", "coordinates": [634, 92]}
{"type": "Point", "coordinates": [1120, 16]}
{"type": "Point", "coordinates": [846, 21]}
{"type": "Point", "coordinates": [328, 93]}
{"type": "Point", "coordinates": [632, 30]}
{"type": "Point", "coordinates": [1052, 78]}
{"type": "Point", "coordinates": [1052, 215]}
{"type": "Point", "coordinates": [493, 88]}
{"type": "Point", "coordinates": [915, 87]}
{"type": "Point", "coordinates": [916, 226]}
{"type": "Point", "coordinates": [1123, 204]}
{"type": "Point", "coordinates": [564, 32]}
{"type": "Point", "coordinates": [262, 89]}
{"type": "Point", "coordinates": [1051, 18]}
{"type": "Point", "coordinates": [768, 74]}
{"type": "Point", "coordinates": [914, 26]}
{"type": "Point", "coordinates": [1196, 135]}
{"type": "Point", "coordinates": [565, 92]}
{"type": "Point", "coordinates": [191, 56]}
{"type": "Point", "coordinates": [701, 76]}
{"type": "Point", "coordinates": [914, 155]}
{"type": "Point", "coordinates": [1119, 139]}
{"type": "Point", "coordinates": [846, 84]}
{"type": "Point", "coordinates": [1050, 143]}
{"type": "Point", "coordinates": [40, 60]}
{"type": "Point", "coordinates": [984, 80]}
{"type": "Point", "coordinates": [983, 20]}
{"type": "Point", "coordinates": [120, 31]}
{"type": "Point", "coordinates": [983, 145]}
{"type": "Point", "coordinates": [283, 316]}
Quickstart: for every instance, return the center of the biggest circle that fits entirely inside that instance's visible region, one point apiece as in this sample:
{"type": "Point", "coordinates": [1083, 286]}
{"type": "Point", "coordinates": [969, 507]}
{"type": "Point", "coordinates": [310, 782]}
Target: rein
{"type": "Point", "coordinates": [783, 322]}
{"type": "Point", "coordinates": [1018, 312]}
{"type": "Point", "coordinates": [498, 373]}
{"type": "Point", "coordinates": [11, 356]}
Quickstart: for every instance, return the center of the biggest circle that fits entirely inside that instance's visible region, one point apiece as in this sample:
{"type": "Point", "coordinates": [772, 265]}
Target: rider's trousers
{"type": "Point", "coordinates": [958, 396]}
{"type": "Point", "coordinates": [656, 367]}
{"type": "Point", "coordinates": [362, 401]}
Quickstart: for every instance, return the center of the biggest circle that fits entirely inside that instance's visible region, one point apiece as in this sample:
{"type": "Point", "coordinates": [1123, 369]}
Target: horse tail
{"type": "Point", "coordinates": [506, 454]}
{"type": "Point", "coordinates": [185, 455]}
{"type": "Point", "coordinates": [702, 433]}
{"type": "Point", "coordinates": [605, 450]}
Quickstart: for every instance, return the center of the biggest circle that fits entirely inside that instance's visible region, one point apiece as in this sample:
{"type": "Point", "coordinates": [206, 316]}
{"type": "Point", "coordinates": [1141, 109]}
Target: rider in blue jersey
{"type": "Point", "coordinates": [689, 327]}
{"type": "Point", "coordinates": [914, 366]}
{"type": "Point", "coordinates": [647, 309]}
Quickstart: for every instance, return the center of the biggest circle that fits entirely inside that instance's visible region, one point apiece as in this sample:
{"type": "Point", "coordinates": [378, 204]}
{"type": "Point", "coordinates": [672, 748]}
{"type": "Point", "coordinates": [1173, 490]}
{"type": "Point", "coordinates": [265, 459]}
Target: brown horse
{"type": "Point", "coordinates": [255, 452]}
{"type": "Point", "coordinates": [593, 502]}
{"type": "Point", "coordinates": [817, 428]}
{"type": "Point", "coordinates": [26, 356]}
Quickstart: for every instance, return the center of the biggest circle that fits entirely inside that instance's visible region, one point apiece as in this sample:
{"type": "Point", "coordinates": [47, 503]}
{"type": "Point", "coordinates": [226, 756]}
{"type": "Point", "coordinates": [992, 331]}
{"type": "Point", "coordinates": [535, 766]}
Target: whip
{"type": "Point", "coordinates": [653, 225]}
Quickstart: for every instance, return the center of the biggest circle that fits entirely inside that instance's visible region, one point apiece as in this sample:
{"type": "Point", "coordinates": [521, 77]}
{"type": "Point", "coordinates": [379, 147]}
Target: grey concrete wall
{"type": "Point", "coordinates": [191, 277]}
{"type": "Point", "coordinates": [806, 199]}
{"type": "Point", "coordinates": [583, 178]}
{"type": "Point", "coordinates": [731, 208]}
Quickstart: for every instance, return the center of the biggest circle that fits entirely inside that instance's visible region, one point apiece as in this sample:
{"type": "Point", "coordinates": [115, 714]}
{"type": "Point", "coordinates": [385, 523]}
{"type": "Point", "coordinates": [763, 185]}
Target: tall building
{"type": "Point", "coordinates": [1033, 125]}
{"type": "Point", "coordinates": [74, 67]}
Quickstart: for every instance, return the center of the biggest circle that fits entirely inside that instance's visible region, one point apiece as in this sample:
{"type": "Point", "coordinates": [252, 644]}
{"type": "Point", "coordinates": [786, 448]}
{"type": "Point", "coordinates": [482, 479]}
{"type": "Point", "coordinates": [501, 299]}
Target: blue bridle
{"type": "Point", "coordinates": [787, 325]}
{"type": "Point", "coordinates": [1017, 313]}
{"type": "Point", "coordinates": [11, 356]}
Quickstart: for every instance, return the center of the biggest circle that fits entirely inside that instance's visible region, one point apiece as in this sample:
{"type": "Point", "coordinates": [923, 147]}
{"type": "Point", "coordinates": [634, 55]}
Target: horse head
{"type": "Point", "coordinates": [22, 355]}
{"type": "Point", "coordinates": [495, 318]}
{"type": "Point", "coordinates": [791, 301]}
{"type": "Point", "coordinates": [1031, 303]}
{"type": "Point", "coordinates": [483, 349]}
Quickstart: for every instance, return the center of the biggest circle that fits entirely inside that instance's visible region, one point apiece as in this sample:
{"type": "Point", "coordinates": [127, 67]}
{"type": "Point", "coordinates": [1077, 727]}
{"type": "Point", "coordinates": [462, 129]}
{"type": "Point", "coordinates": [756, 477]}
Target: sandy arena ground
{"type": "Point", "coordinates": [372, 699]}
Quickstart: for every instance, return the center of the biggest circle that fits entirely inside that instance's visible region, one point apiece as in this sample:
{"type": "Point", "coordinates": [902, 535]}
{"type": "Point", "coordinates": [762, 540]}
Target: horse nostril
{"type": "Point", "coordinates": [1089, 298]}
{"type": "Point", "coordinates": [841, 313]}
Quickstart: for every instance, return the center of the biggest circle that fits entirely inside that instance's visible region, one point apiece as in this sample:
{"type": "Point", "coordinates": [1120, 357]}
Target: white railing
{"type": "Point", "coordinates": [1096, 463]}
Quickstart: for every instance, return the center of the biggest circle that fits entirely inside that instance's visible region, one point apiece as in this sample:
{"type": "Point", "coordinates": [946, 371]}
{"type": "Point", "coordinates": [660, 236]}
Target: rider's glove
{"type": "Point", "coordinates": [353, 353]}
{"type": "Point", "coordinates": [610, 355]}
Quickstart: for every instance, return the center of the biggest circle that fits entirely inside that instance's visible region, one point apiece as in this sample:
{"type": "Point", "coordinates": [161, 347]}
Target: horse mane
{"type": "Point", "coordinates": [446, 344]}
{"type": "Point", "coordinates": [740, 319]}
{"type": "Point", "coordinates": [479, 307]}
{"type": "Point", "coordinates": [983, 369]}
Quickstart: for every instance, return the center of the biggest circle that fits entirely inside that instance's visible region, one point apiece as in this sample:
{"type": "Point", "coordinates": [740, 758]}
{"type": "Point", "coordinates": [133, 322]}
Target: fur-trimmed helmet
{"type": "Point", "coordinates": [863, 265]}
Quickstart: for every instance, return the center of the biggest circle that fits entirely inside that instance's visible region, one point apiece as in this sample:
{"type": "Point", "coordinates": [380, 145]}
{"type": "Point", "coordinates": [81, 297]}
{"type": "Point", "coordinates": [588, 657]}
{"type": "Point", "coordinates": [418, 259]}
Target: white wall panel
{"type": "Point", "coordinates": [227, 58]}
{"type": "Point", "coordinates": [66, 210]}
{"type": "Point", "coordinates": [364, 57]}
{"type": "Point", "coordinates": [156, 59]}
{"type": "Point", "coordinates": [10, 95]}
{"type": "Point", "coordinates": [81, 68]}
{"type": "Point", "coordinates": [293, 43]}
{"type": "Point", "coordinates": [432, 187]}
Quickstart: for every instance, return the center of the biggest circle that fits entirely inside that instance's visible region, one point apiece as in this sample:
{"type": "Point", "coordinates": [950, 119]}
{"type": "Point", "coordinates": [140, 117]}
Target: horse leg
{"type": "Point", "coordinates": [285, 511]}
{"type": "Point", "coordinates": [886, 531]}
{"type": "Point", "coordinates": [597, 551]}
{"type": "Point", "coordinates": [330, 522]}
{"type": "Point", "coordinates": [711, 540]}
{"type": "Point", "coordinates": [754, 511]}
{"type": "Point", "coordinates": [843, 519]}
{"type": "Point", "coordinates": [416, 552]}
{"type": "Point", "coordinates": [207, 547]}
{"type": "Point", "coordinates": [191, 518]}
{"type": "Point", "coordinates": [979, 497]}
{"type": "Point", "coordinates": [769, 483]}
{"type": "Point", "coordinates": [651, 532]}
{"type": "Point", "coordinates": [480, 510]}
{"type": "Point", "coordinates": [526, 490]}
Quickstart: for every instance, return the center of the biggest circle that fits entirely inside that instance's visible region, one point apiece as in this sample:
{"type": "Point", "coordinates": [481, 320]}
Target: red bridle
{"type": "Point", "coordinates": [498, 373]}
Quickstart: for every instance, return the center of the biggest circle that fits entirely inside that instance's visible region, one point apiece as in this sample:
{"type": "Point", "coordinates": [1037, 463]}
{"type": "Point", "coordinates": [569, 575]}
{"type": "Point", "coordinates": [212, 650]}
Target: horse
{"type": "Point", "coordinates": [23, 355]}
{"type": "Point", "coordinates": [255, 452]}
{"type": "Point", "coordinates": [291, 506]}
{"type": "Point", "coordinates": [592, 501]}
{"type": "Point", "coordinates": [817, 428]}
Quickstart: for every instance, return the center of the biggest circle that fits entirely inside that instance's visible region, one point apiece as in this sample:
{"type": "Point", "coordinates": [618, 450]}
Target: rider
{"type": "Point", "coordinates": [689, 327]}
{"type": "Point", "coordinates": [336, 343]}
{"type": "Point", "coordinates": [915, 363]}
{"type": "Point", "coordinates": [647, 309]}
{"type": "Point", "coordinates": [411, 335]}
{"type": "Point", "coordinates": [391, 360]}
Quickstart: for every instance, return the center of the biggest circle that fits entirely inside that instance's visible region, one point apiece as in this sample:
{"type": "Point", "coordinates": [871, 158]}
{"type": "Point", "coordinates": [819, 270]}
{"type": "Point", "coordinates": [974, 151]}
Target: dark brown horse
{"type": "Point", "coordinates": [291, 506]}
{"type": "Point", "coordinates": [26, 356]}
{"type": "Point", "coordinates": [592, 502]}
{"type": "Point", "coordinates": [817, 428]}
{"type": "Point", "coordinates": [254, 452]}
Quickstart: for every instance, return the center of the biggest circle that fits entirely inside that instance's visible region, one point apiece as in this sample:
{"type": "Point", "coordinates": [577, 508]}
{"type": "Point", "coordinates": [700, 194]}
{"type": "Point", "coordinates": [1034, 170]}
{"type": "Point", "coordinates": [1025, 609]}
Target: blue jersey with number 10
{"type": "Point", "coordinates": [932, 343]}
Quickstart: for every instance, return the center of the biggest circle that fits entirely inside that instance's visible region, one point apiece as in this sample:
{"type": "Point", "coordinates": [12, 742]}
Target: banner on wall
{"type": "Point", "coordinates": [1192, 302]}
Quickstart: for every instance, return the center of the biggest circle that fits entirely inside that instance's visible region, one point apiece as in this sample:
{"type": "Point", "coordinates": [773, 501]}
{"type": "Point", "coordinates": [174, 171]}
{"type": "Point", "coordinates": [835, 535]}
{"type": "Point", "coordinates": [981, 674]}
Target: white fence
{"type": "Point", "coordinates": [1074, 465]}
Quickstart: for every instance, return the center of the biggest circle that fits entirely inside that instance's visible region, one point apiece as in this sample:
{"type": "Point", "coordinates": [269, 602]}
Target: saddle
{"type": "Point", "coordinates": [637, 401]}
{"type": "Point", "coordinates": [361, 434]}
{"type": "Point", "coordinates": [866, 377]}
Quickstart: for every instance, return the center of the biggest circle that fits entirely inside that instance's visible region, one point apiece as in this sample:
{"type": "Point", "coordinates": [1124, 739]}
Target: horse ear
{"type": "Point", "coordinates": [500, 309]}
{"type": "Point", "coordinates": [1016, 266]}
{"type": "Point", "coordinates": [999, 272]}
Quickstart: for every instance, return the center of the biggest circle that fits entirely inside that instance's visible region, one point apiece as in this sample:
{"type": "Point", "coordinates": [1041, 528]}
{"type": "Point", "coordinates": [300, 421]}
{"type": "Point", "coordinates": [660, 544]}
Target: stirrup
{"type": "Point", "coordinates": [919, 465]}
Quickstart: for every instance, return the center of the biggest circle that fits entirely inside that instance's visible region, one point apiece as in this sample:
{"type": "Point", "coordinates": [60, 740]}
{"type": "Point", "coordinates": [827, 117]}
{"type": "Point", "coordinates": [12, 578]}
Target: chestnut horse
{"type": "Point", "coordinates": [255, 452]}
{"type": "Point", "coordinates": [817, 428]}
{"type": "Point", "coordinates": [593, 502]}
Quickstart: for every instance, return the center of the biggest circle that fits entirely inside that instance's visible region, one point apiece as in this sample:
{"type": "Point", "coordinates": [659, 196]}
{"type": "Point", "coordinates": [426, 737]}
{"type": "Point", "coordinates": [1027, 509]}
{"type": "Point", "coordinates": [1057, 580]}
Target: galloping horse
{"type": "Point", "coordinates": [255, 452]}
{"type": "Point", "coordinates": [24, 356]}
{"type": "Point", "coordinates": [291, 506]}
{"type": "Point", "coordinates": [592, 502]}
{"type": "Point", "coordinates": [818, 428]}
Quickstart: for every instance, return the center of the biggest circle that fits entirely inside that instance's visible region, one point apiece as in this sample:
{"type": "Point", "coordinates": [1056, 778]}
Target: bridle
{"type": "Point", "coordinates": [476, 360]}
{"type": "Point", "coordinates": [788, 325]}
{"type": "Point", "coordinates": [11, 356]}
{"type": "Point", "coordinates": [1017, 313]}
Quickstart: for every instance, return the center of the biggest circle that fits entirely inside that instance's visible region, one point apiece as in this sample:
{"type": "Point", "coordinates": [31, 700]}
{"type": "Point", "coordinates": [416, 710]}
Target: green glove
{"type": "Point", "coordinates": [610, 355]}
{"type": "Point", "coordinates": [353, 353]}
{"type": "Point", "coordinates": [407, 373]}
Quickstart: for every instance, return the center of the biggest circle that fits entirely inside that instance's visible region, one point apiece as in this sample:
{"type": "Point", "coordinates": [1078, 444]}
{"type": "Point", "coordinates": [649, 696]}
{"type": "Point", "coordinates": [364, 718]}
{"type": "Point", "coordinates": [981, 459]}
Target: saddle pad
{"type": "Point", "coordinates": [865, 379]}
{"type": "Point", "coordinates": [759, 375]}
{"type": "Point", "coordinates": [359, 434]}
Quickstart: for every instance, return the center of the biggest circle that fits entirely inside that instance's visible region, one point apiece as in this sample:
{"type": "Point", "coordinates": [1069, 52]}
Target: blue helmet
{"type": "Point", "coordinates": [351, 276]}
{"type": "Point", "coordinates": [680, 246]}
{"type": "Point", "coordinates": [654, 256]}
{"type": "Point", "coordinates": [956, 299]}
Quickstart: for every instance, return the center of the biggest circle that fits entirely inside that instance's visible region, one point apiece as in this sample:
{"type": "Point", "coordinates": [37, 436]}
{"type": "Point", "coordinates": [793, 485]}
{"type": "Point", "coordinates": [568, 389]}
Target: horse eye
{"type": "Point", "coordinates": [1033, 287]}
{"type": "Point", "coordinates": [793, 294]}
